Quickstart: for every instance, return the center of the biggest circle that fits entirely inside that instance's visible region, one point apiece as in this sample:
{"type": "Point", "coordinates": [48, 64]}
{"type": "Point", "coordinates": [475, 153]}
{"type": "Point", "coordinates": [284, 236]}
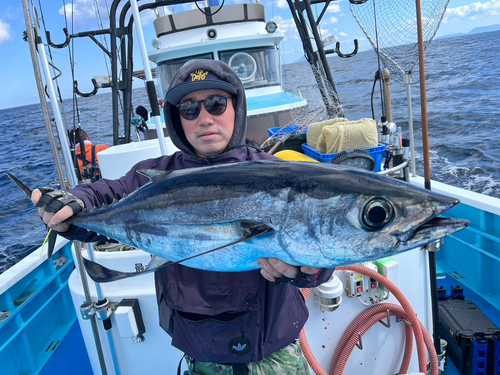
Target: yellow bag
{"type": "Point", "coordinates": [346, 136]}
{"type": "Point", "coordinates": [314, 130]}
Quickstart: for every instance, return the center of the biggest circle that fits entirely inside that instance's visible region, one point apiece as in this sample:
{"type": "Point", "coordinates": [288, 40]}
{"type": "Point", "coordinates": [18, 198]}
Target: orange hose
{"type": "Point", "coordinates": [362, 324]}
{"type": "Point", "coordinates": [306, 349]}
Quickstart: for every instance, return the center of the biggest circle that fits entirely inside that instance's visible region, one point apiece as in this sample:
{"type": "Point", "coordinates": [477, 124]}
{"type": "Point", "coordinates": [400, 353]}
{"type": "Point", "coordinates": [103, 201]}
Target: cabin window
{"type": "Point", "coordinates": [256, 67]}
{"type": "Point", "coordinates": [167, 69]}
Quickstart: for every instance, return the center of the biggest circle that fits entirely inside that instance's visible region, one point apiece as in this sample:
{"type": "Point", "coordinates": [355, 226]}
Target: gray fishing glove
{"type": "Point", "coordinates": [55, 200]}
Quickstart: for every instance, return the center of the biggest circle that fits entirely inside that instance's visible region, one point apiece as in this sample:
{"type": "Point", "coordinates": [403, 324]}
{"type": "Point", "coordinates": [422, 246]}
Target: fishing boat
{"type": "Point", "coordinates": [56, 320]}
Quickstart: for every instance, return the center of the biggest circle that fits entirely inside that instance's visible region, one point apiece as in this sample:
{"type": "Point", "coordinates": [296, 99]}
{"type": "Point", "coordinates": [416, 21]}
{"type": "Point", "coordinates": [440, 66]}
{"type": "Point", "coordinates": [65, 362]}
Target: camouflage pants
{"type": "Point", "coordinates": [287, 361]}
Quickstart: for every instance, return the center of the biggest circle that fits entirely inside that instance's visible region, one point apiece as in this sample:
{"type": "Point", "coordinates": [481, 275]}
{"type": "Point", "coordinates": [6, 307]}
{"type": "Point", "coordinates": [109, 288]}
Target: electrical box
{"type": "Point", "coordinates": [389, 268]}
{"type": "Point", "coordinates": [129, 320]}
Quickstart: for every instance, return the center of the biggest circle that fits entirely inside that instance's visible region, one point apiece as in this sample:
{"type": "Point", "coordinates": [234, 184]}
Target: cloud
{"type": "Point", "coordinates": [333, 8]}
{"type": "Point", "coordinates": [147, 17]}
{"type": "Point", "coordinates": [5, 32]}
{"type": "Point", "coordinates": [282, 4]}
{"type": "Point", "coordinates": [287, 27]}
{"type": "Point", "coordinates": [86, 14]}
{"type": "Point", "coordinates": [332, 20]}
{"type": "Point", "coordinates": [13, 14]}
{"type": "Point", "coordinates": [490, 8]}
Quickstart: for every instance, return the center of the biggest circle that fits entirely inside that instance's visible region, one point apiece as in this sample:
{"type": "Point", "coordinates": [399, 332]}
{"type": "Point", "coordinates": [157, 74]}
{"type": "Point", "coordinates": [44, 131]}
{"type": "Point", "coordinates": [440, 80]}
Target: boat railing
{"type": "Point", "coordinates": [34, 295]}
{"type": "Point", "coordinates": [472, 256]}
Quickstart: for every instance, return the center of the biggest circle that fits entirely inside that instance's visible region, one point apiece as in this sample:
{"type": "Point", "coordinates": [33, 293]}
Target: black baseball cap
{"type": "Point", "coordinates": [199, 79]}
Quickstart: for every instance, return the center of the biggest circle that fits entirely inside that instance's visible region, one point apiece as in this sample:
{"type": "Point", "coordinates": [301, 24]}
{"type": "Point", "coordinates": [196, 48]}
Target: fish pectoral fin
{"type": "Point", "coordinates": [101, 274]}
{"type": "Point", "coordinates": [251, 229]}
{"type": "Point", "coordinates": [152, 174]}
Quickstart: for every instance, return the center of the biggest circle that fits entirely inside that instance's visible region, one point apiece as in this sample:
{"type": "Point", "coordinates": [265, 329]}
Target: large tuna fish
{"type": "Point", "coordinates": [302, 213]}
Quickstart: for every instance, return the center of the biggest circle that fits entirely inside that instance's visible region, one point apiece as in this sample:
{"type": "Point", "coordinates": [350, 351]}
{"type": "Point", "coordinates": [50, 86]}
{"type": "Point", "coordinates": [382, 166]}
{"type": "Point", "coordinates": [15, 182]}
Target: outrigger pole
{"type": "Point", "coordinates": [41, 93]}
{"type": "Point", "coordinates": [427, 173]}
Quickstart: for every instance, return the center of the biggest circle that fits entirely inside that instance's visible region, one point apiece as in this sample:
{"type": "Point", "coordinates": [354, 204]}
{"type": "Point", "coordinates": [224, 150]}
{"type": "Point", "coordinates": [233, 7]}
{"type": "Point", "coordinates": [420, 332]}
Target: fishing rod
{"type": "Point", "coordinates": [150, 85]}
{"type": "Point", "coordinates": [286, 136]}
{"type": "Point", "coordinates": [265, 143]}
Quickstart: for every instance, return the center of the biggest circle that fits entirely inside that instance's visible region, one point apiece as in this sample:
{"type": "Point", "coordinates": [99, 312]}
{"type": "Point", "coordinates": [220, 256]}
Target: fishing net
{"type": "Point", "coordinates": [318, 95]}
{"type": "Point", "coordinates": [391, 28]}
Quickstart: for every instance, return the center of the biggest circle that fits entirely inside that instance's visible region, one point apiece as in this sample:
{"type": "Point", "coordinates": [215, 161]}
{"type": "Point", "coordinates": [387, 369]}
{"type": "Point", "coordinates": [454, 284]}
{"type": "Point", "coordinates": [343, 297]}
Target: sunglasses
{"type": "Point", "coordinates": [215, 105]}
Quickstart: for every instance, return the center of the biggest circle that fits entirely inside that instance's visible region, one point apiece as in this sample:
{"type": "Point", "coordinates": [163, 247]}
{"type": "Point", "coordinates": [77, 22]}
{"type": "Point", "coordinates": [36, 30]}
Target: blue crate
{"type": "Point", "coordinates": [376, 153]}
{"type": "Point", "coordinates": [288, 130]}
{"type": "Point", "coordinates": [480, 355]}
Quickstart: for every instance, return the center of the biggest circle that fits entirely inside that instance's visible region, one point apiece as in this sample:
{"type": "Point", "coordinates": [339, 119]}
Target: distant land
{"type": "Point", "coordinates": [476, 30]}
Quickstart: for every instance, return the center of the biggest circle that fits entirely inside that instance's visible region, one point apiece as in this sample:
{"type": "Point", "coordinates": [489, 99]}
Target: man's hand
{"type": "Point", "coordinates": [56, 206]}
{"type": "Point", "coordinates": [273, 269]}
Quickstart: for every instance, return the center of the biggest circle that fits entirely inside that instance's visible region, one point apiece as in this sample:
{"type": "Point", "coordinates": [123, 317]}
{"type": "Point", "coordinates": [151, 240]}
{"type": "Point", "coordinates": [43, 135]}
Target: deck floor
{"type": "Point", "coordinates": [70, 357]}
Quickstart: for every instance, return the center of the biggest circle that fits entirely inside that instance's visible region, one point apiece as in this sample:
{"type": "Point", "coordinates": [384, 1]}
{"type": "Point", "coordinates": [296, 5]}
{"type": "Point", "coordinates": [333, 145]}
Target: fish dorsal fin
{"type": "Point", "coordinates": [20, 185]}
{"type": "Point", "coordinates": [152, 174]}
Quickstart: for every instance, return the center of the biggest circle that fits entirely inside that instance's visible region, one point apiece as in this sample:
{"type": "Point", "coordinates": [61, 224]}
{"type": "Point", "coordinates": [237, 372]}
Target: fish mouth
{"type": "Point", "coordinates": [430, 231]}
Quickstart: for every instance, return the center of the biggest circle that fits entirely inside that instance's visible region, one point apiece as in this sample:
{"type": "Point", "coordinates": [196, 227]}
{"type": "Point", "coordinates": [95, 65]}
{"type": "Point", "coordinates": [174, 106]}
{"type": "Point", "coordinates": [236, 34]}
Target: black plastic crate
{"type": "Point", "coordinates": [471, 337]}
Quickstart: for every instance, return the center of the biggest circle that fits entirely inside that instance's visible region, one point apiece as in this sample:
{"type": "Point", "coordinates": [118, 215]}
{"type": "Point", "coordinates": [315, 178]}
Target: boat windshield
{"type": "Point", "coordinates": [256, 67]}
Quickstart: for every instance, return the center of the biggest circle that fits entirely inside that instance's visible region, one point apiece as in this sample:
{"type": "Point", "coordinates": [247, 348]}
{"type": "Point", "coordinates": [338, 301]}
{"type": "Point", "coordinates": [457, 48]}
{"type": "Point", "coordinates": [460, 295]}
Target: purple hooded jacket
{"type": "Point", "coordinates": [233, 317]}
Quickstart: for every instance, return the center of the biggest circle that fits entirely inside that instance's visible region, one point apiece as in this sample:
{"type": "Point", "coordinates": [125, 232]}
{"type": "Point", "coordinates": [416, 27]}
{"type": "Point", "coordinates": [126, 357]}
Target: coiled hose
{"type": "Point", "coordinates": [366, 320]}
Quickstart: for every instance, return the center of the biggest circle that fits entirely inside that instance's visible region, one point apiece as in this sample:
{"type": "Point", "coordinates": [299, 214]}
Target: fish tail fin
{"type": "Point", "coordinates": [20, 185]}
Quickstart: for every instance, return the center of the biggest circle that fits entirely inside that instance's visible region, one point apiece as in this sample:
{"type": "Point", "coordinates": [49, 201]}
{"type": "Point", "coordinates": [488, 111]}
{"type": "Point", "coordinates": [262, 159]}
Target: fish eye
{"type": "Point", "coordinates": [377, 214]}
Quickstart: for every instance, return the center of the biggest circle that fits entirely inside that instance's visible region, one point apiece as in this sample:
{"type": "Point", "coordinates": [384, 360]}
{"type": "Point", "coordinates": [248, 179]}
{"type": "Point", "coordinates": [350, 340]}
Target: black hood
{"type": "Point", "coordinates": [224, 72]}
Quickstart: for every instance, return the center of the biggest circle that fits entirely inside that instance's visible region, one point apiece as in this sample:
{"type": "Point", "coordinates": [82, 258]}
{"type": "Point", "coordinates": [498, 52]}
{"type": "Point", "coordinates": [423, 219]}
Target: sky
{"type": "Point", "coordinates": [16, 67]}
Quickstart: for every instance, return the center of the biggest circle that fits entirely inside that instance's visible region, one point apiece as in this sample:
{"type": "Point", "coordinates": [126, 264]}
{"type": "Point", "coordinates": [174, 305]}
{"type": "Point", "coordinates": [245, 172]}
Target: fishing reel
{"type": "Point", "coordinates": [139, 124]}
{"type": "Point", "coordinates": [91, 173]}
{"type": "Point", "coordinates": [387, 129]}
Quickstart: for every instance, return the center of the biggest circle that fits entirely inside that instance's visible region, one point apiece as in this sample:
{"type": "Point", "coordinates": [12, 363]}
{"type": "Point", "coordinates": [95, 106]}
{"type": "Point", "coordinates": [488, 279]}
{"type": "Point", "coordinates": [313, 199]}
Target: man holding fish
{"type": "Point", "coordinates": [226, 322]}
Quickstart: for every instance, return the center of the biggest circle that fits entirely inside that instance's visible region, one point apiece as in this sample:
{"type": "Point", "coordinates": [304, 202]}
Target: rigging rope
{"type": "Point", "coordinates": [102, 37]}
{"type": "Point", "coordinates": [71, 56]}
{"type": "Point", "coordinates": [377, 49]}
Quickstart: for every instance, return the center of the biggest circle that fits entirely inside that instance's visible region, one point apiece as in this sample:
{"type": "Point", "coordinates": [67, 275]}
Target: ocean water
{"type": "Point", "coordinates": [463, 94]}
